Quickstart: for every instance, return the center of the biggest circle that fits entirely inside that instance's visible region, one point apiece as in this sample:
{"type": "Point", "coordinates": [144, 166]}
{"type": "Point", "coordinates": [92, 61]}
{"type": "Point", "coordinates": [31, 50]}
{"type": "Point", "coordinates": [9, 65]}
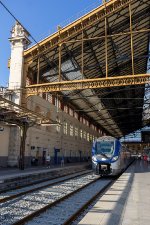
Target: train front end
{"type": "Point", "coordinates": [105, 156]}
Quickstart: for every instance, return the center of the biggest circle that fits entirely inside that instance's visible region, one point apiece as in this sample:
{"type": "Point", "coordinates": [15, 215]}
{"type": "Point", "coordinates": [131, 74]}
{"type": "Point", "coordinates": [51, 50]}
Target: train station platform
{"type": "Point", "coordinates": [127, 202]}
{"type": "Point", "coordinates": [13, 177]}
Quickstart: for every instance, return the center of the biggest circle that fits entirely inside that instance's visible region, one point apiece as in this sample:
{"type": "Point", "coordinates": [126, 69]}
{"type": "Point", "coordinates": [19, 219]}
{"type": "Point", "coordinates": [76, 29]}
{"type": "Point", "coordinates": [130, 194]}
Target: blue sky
{"type": "Point", "coordinates": [40, 18]}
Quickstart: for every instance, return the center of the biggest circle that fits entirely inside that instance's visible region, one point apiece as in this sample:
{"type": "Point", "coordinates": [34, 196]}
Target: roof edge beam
{"type": "Point", "coordinates": [127, 80]}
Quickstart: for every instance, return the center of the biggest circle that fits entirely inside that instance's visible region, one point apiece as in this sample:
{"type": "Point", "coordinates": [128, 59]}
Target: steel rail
{"type": "Point", "coordinates": [37, 181]}
{"type": "Point", "coordinates": [5, 199]}
{"type": "Point", "coordinates": [88, 203]}
{"type": "Point", "coordinates": [99, 194]}
{"type": "Point", "coordinates": [49, 205]}
{"type": "Point", "coordinates": [73, 217]}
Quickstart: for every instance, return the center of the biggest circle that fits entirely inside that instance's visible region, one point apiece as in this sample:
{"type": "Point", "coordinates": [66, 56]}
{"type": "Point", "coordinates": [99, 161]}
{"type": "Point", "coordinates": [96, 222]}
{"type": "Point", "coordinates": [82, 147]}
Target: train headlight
{"type": "Point", "coordinates": [115, 158]}
{"type": "Point", "coordinates": [103, 159]}
{"type": "Point", "coordinates": [94, 159]}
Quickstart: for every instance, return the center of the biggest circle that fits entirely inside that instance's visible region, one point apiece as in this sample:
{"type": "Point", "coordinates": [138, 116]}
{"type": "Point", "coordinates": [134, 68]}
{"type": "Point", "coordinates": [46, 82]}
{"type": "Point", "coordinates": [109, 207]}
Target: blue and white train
{"type": "Point", "coordinates": [109, 156]}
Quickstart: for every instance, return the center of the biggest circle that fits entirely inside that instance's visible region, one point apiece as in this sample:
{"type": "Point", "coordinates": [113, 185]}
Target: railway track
{"type": "Point", "coordinates": [68, 210]}
{"type": "Point", "coordinates": [58, 203]}
{"type": "Point", "coordinates": [9, 195]}
{"type": "Point", "coordinates": [21, 208]}
{"type": "Point", "coordinates": [23, 180]}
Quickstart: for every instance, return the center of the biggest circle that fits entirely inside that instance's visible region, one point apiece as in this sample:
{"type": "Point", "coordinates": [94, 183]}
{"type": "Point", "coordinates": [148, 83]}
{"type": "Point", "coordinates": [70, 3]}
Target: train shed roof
{"type": "Point", "coordinates": [112, 40]}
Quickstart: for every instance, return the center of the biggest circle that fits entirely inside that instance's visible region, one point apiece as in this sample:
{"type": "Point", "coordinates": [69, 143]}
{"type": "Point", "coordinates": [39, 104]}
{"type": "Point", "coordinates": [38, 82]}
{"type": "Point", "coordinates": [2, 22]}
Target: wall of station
{"type": "Point", "coordinates": [72, 139]}
{"type": "Point", "coordinates": [4, 140]}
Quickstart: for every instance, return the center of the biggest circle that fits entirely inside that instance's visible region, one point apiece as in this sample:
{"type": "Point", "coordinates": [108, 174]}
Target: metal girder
{"type": "Point", "coordinates": [11, 113]}
{"type": "Point", "coordinates": [15, 114]}
{"type": "Point", "coordinates": [74, 28]}
{"type": "Point", "coordinates": [88, 84]}
{"type": "Point", "coordinates": [110, 46]}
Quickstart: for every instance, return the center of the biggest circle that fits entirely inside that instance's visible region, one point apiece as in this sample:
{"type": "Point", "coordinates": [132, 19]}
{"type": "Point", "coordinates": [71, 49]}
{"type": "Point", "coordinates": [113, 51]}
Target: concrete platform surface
{"type": "Point", "coordinates": [127, 202]}
{"type": "Point", "coordinates": [10, 173]}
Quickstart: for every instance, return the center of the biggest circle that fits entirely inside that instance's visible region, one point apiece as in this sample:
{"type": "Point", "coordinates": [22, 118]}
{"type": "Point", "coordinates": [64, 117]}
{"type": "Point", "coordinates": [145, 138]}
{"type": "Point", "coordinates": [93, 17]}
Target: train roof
{"type": "Point", "coordinates": [106, 138]}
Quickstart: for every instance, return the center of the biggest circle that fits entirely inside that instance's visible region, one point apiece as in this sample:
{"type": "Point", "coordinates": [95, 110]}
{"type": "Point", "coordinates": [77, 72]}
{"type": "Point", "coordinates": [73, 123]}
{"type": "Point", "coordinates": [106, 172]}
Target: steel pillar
{"type": "Point", "coordinates": [23, 134]}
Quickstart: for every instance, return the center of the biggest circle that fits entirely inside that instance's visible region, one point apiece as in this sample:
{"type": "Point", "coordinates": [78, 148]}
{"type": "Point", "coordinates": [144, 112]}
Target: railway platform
{"type": "Point", "coordinates": [127, 202]}
{"type": "Point", "coordinates": [13, 177]}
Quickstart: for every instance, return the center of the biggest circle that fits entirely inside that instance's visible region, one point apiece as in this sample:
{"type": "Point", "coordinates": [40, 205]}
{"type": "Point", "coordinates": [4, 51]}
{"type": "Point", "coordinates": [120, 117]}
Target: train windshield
{"type": "Point", "coordinates": [105, 147]}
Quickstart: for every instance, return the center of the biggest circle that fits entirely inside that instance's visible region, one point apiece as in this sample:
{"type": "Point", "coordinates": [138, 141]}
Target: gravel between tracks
{"type": "Point", "coordinates": [20, 207]}
{"type": "Point", "coordinates": [39, 185]}
{"type": "Point", "coordinates": [58, 214]}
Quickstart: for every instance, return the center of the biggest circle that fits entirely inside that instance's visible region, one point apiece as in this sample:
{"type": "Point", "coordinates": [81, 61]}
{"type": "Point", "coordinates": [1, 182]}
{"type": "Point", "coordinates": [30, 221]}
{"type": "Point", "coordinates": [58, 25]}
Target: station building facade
{"type": "Point", "coordinates": [73, 136]}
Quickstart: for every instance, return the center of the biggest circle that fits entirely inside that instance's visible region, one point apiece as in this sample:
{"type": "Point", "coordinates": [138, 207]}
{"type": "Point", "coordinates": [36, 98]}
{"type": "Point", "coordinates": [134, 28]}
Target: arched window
{"type": "Point", "coordinates": [66, 109]}
{"type": "Point", "coordinates": [65, 127]}
{"type": "Point", "coordinates": [84, 135]}
{"type": "Point", "coordinates": [91, 138]}
{"type": "Point", "coordinates": [71, 130]}
{"type": "Point", "coordinates": [48, 115]}
{"type": "Point", "coordinates": [81, 134]}
{"type": "Point", "coordinates": [88, 137]}
{"type": "Point", "coordinates": [76, 131]}
{"type": "Point", "coordinates": [58, 126]}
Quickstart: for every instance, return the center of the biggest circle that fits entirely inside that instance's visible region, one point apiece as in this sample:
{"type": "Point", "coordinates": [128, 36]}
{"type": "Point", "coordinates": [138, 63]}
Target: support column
{"type": "Point", "coordinates": [19, 42]}
{"type": "Point", "coordinates": [23, 131]}
{"type": "Point", "coordinates": [14, 146]}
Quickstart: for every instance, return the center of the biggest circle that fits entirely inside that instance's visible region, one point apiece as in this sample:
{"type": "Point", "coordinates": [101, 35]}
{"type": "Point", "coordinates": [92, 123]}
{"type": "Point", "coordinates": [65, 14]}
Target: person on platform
{"type": "Point", "coordinates": [62, 161]}
{"type": "Point", "coordinates": [48, 160]}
